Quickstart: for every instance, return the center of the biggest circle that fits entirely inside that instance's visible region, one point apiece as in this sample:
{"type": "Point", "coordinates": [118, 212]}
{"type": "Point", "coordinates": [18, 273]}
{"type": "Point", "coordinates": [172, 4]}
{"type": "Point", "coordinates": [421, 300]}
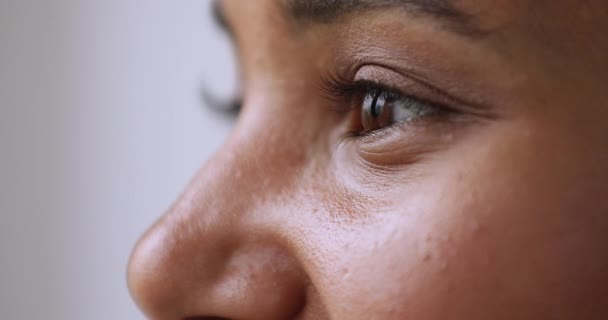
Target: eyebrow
{"type": "Point", "coordinates": [326, 11]}
{"type": "Point", "coordinates": [444, 12]}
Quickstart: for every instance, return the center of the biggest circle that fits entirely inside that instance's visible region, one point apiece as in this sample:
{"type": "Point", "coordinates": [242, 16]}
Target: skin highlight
{"type": "Point", "coordinates": [494, 209]}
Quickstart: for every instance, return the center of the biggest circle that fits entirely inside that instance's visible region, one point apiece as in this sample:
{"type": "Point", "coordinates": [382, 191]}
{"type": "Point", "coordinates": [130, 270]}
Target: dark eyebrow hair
{"type": "Point", "coordinates": [445, 12]}
{"type": "Point", "coordinates": [326, 11]}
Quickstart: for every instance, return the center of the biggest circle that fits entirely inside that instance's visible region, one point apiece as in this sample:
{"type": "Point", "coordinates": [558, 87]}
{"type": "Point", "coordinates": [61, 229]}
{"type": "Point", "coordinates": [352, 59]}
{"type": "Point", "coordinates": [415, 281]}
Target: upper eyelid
{"type": "Point", "coordinates": [342, 89]}
{"type": "Point", "coordinates": [349, 64]}
{"type": "Point", "coordinates": [421, 87]}
{"type": "Point", "coordinates": [387, 89]}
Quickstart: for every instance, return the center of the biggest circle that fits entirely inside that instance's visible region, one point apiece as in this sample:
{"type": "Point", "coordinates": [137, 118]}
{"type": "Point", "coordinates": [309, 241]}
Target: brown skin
{"type": "Point", "coordinates": [499, 211]}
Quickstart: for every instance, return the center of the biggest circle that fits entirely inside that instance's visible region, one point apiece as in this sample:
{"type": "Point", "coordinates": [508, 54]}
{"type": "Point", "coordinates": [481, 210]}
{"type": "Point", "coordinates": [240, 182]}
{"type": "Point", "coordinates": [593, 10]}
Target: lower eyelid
{"type": "Point", "coordinates": [427, 130]}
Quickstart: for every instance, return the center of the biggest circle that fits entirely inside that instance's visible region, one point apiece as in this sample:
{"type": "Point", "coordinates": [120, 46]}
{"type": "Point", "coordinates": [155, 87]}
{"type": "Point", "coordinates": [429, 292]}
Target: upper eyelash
{"type": "Point", "coordinates": [343, 90]}
{"type": "Point", "coordinates": [337, 88]}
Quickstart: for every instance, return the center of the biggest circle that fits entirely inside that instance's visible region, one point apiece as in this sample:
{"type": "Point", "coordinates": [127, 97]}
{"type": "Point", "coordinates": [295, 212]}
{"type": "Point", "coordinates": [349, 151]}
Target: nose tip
{"type": "Point", "coordinates": [223, 250]}
{"type": "Point", "coordinates": [180, 271]}
{"type": "Point", "coordinates": [147, 265]}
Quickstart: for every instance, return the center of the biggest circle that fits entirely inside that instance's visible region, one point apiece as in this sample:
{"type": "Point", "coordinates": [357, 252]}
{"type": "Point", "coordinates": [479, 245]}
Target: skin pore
{"type": "Point", "coordinates": [398, 160]}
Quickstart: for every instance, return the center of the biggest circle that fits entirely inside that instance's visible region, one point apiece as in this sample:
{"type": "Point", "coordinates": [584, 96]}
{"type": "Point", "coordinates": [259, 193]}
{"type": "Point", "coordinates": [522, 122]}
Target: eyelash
{"type": "Point", "coordinates": [345, 92]}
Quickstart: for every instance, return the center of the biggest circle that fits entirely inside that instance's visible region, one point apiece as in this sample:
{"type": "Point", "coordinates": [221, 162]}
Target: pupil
{"type": "Point", "coordinates": [377, 104]}
{"type": "Point", "coordinates": [374, 111]}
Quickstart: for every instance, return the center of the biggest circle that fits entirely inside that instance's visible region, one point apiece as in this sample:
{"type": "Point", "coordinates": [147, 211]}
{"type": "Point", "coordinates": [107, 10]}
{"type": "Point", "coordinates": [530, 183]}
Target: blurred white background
{"type": "Point", "coordinates": [101, 126]}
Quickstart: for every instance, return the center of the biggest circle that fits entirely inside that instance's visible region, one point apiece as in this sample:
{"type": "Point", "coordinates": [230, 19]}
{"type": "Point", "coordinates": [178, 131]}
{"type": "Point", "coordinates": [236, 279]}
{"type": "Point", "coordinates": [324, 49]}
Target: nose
{"type": "Point", "coordinates": [216, 254]}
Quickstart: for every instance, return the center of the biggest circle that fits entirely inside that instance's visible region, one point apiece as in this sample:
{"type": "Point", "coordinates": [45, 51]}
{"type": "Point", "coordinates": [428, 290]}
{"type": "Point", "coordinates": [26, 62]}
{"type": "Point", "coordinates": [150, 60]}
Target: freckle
{"type": "Point", "coordinates": [346, 247]}
{"type": "Point", "coordinates": [474, 226]}
{"type": "Point", "coordinates": [427, 257]}
{"type": "Point", "coordinates": [447, 238]}
{"type": "Point", "coordinates": [265, 183]}
{"type": "Point", "coordinates": [448, 137]}
{"type": "Point", "coordinates": [345, 274]}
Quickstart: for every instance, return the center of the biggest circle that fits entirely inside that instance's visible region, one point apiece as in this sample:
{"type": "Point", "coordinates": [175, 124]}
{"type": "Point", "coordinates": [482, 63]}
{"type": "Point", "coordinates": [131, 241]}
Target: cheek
{"type": "Point", "coordinates": [523, 226]}
{"type": "Point", "coordinates": [512, 228]}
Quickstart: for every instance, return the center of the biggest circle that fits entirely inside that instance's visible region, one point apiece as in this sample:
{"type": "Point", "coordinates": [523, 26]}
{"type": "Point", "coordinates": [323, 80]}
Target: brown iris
{"type": "Point", "coordinates": [377, 111]}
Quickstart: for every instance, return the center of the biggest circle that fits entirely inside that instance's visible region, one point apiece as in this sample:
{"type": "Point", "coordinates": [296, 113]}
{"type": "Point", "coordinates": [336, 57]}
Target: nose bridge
{"type": "Point", "coordinates": [210, 239]}
{"type": "Point", "coordinates": [236, 187]}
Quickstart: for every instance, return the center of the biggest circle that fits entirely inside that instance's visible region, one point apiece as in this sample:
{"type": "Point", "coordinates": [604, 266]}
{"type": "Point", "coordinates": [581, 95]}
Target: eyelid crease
{"type": "Point", "coordinates": [340, 90]}
{"type": "Point", "coordinates": [407, 81]}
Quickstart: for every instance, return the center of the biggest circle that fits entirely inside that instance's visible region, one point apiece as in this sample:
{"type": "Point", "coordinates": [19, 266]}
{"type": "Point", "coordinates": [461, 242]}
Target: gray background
{"type": "Point", "coordinates": [101, 126]}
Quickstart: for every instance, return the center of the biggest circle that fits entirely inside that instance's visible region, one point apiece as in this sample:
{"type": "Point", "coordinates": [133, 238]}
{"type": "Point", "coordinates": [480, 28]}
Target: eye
{"type": "Point", "coordinates": [382, 108]}
{"type": "Point", "coordinates": [374, 106]}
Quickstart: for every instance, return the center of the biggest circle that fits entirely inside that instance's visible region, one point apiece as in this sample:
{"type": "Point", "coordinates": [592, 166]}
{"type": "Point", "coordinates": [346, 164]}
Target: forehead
{"type": "Point", "coordinates": [267, 18]}
{"type": "Point", "coordinates": [478, 8]}
{"type": "Point", "coordinates": [545, 34]}
{"type": "Point", "coordinates": [490, 13]}
{"type": "Point", "coordinates": [564, 26]}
